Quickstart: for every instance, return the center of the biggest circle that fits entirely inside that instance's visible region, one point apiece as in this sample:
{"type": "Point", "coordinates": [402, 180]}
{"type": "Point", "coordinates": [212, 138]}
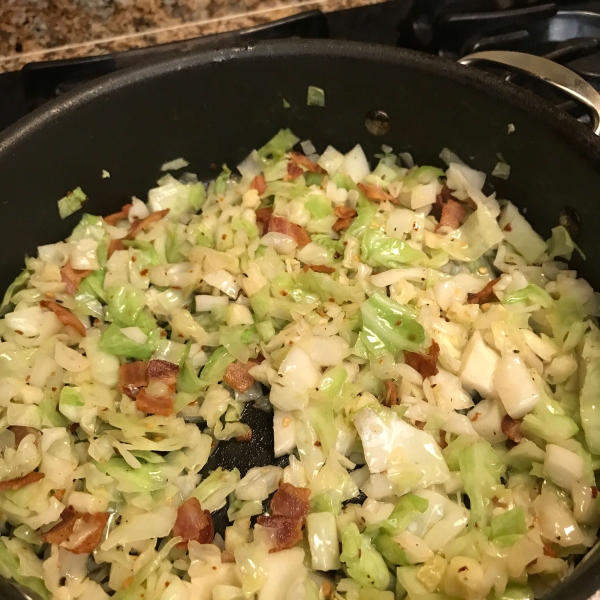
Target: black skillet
{"type": "Point", "coordinates": [215, 107]}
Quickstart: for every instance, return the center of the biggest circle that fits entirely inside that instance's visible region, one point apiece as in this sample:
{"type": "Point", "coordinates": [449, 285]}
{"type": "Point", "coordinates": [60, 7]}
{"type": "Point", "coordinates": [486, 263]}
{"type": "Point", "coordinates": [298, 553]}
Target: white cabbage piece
{"type": "Point", "coordinates": [390, 444]}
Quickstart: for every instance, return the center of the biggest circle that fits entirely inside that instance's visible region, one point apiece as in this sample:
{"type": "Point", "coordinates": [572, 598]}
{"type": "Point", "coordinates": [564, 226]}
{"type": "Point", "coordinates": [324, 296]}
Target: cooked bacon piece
{"type": "Point", "coordinates": [132, 377]}
{"type": "Point", "coordinates": [62, 530]}
{"type": "Point", "coordinates": [377, 194]}
{"type": "Point", "coordinates": [115, 245]}
{"type": "Point", "coordinates": [72, 277]}
{"type": "Point", "coordinates": [246, 437]}
{"type": "Point", "coordinates": [453, 215]}
{"type": "Point", "coordinates": [227, 557]}
{"type": "Point", "coordinates": [286, 533]}
{"type": "Point", "coordinates": [263, 215]}
{"type": "Point", "coordinates": [237, 376]}
{"type": "Point", "coordinates": [65, 316]}
{"type": "Point", "coordinates": [20, 432]}
{"type": "Point", "coordinates": [119, 216]}
{"type": "Point", "coordinates": [19, 482]}
{"type": "Point", "coordinates": [259, 184]}
{"type": "Point", "coordinates": [485, 295]}
{"type": "Point", "coordinates": [594, 491]}
{"type": "Point", "coordinates": [137, 226]}
{"type": "Point", "coordinates": [425, 364]}
{"type": "Point", "coordinates": [282, 225]}
{"type": "Point", "coordinates": [293, 172]}
{"type": "Point", "coordinates": [93, 525]}
{"type": "Point", "coordinates": [60, 494]}
{"type": "Point", "coordinates": [391, 393]}
{"type": "Point", "coordinates": [300, 159]}
{"type": "Point", "coordinates": [291, 502]}
{"type": "Point", "coordinates": [193, 523]}
{"type": "Point", "coordinates": [318, 268]}
{"type": "Point", "coordinates": [163, 370]}
{"type": "Point", "coordinates": [442, 439]}
{"type": "Point", "coordinates": [342, 224]}
{"type": "Point", "coordinates": [444, 196]}
{"type": "Point", "coordinates": [345, 212]}
{"type": "Point", "coordinates": [154, 405]}
{"type": "Point", "coordinates": [511, 429]}
{"type": "Point", "coordinates": [549, 551]}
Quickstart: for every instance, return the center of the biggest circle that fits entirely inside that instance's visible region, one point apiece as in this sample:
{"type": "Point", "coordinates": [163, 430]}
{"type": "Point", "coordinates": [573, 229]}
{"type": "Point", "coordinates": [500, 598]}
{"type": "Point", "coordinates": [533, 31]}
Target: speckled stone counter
{"type": "Point", "coordinates": [35, 30]}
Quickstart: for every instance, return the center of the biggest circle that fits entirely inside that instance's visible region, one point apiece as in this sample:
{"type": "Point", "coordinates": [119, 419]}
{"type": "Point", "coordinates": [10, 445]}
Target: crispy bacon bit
{"type": "Point", "coordinates": [453, 215]}
{"type": "Point", "coordinates": [376, 194]}
{"type": "Point", "coordinates": [259, 184]}
{"type": "Point", "coordinates": [19, 482]}
{"type": "Point", "coordinates": [62, 530]}
{"type": "Point", "coordinates": [282, 225]}
{"type": "Point", "coordinates": [293, 172]}
{"type": "Point", "coordinates": [93, 525]}
{"type": "Point", "coordinates": [246, 437]}
{"type": "Point", "coordinates": [286, 533]}
{"type": "Point", "coordinates": [119, 216]}
{"type": "Point", "coordinates": [508, 227]}
{"type": "Point", "coordinates": [300, 159]}
{"type": "Point", "coordinates": [238, 377]}
{"type": "Point", "coordinates": [391, 393]}
{"type": "Point", "coordinates": [420, 425]}
{"type": "Point", "coordinates": [60, 494]}
{"type": "Point", "coordinates": [115, 245]}
{"type": "Point", "coordinates": [485, 295]}
{"type": "Point", "coordinates": [263, 215]}
{"type": "Point", "coordinates": [549, 551]}
{"type": "Point", "coordinates": [20, 432]}
{"type": "Point", "coordinates": [163, 371]}
{"type": "Point", "coordinates": [65, 316]}
{"type": "Point", "coordinates": [291, 502]}
{"type": "Point", "coordinates": [342, 224]}
{"type": "Point", "coordinates": [72, 277]}
{"type": "Point", "coordinates": [132, 377]}
{"type": "Point", "coordinates": [345, 212]}
{"type": "Point", "coordinates": [594, 491]}
{"type": "Point", "coordinates": [154, 405]}
{"type": "Point", "coordinates": [425, 364]}
{"type": "Point", "coordinates": [193, 523]}
{"type": "Point", "coordinates": [511, 429]}
{"type": "Point", "coordinates": [318, 268]}
{"type": "Point", "coordinates": [137, 226]}
{"type": "Point", "coordinates": [442, 439]}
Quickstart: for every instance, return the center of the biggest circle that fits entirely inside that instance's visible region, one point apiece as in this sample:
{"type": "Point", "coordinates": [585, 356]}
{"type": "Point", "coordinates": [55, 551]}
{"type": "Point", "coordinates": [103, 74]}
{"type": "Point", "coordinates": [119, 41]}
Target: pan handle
{"type": "Point", "coordinates": [556, 75]}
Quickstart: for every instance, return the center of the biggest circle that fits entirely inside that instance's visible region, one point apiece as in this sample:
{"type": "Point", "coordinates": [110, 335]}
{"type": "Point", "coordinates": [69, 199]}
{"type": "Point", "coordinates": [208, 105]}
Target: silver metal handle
{"type": "Point", "coordinates": [556, 75]}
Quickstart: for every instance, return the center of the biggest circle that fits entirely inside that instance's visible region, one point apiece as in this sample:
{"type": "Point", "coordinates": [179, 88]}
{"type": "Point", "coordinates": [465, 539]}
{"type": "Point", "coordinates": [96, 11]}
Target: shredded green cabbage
{"type": "Point", "coordinates": [433, 389]}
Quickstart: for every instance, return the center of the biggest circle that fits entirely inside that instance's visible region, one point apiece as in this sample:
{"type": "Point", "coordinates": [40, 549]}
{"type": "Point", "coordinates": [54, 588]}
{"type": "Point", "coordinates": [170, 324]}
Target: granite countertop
{"type": "Point", "coordinates": [35, 30]}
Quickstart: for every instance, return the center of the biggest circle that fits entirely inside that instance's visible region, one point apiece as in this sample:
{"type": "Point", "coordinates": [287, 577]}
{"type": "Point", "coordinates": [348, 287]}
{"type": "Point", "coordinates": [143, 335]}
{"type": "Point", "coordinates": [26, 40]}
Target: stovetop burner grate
{"type": "Point", "coordinates": [564, 32]}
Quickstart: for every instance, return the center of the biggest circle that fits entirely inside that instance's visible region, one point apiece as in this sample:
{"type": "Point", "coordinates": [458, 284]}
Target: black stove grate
{"type": "Point", "coordinates": [565, 32]}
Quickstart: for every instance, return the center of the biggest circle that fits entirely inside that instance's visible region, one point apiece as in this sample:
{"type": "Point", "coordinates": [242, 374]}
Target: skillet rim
{"type": "Point", "coordinates": [585, 581]}
{"type": "Point", "coordinates": [585, 141]}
